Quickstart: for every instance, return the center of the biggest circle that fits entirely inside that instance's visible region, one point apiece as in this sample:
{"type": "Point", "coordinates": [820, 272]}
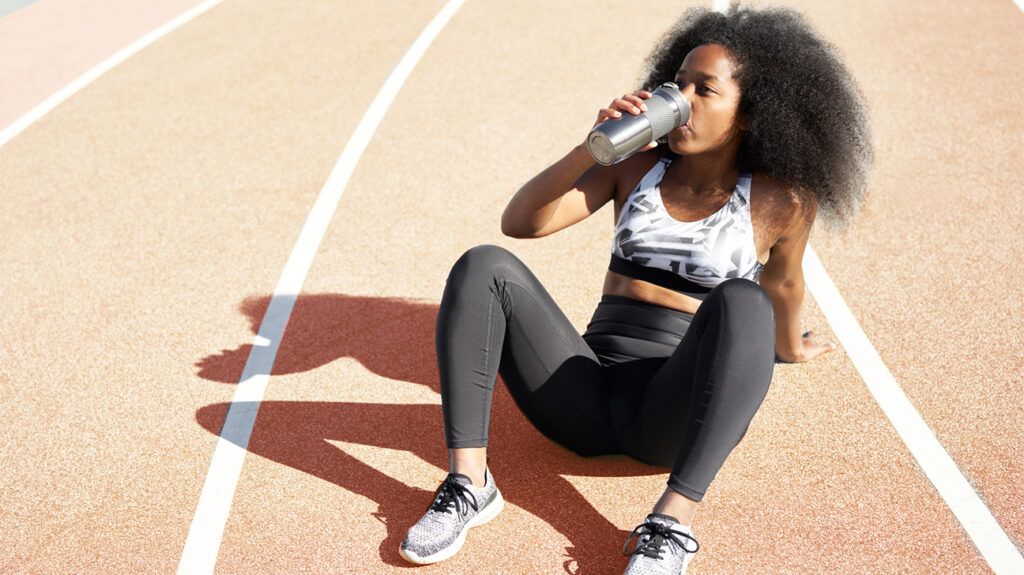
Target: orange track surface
{"type": "Point", "coordinates": [147, 219]}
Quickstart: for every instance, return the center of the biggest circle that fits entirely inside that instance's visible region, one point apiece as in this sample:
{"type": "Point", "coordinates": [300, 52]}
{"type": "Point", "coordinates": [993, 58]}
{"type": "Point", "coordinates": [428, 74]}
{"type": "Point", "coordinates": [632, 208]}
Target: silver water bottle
{"type": "Point", "coordinates": [614, 140]}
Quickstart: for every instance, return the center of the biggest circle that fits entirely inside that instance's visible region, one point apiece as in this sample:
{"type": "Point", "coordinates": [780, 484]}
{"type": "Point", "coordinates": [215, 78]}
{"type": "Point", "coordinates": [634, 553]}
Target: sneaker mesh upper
{"type": "Point", "coordinates": [671, 560]}
{"type": "Point", "coordinates": [437, 530]}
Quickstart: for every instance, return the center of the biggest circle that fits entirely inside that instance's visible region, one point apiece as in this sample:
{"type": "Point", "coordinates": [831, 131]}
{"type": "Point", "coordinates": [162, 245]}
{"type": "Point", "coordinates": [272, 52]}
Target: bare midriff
{"type": "Point", "coordinates": [625, 286]}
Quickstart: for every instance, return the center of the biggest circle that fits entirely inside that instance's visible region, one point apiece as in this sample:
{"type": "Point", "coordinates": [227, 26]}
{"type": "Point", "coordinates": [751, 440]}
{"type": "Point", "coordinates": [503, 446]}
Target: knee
{"type": "Point", "coordinates": [743, 292]}
{"type": "Point", "coordinates": [484, 259]}
{"type": "Point", "coordinates": [743, 298]}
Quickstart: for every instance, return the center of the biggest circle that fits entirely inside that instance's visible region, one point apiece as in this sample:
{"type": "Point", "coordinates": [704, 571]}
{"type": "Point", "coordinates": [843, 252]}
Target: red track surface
{"type": "Point", "coordinates": [147, 219]}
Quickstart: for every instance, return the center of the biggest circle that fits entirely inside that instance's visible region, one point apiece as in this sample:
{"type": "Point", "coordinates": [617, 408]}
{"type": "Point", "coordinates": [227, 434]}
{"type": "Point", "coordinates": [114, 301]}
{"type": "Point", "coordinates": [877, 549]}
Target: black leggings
{"type": "Point", "coordinates": [632, 383]}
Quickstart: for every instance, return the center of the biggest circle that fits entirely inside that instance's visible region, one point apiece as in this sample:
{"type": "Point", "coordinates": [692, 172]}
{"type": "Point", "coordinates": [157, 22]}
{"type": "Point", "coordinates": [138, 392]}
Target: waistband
{"type": "Point", "coordinates": [624, 316]}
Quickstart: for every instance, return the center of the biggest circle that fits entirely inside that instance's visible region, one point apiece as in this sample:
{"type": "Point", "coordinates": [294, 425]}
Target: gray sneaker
{"type": "Point", "coordinates": [457, 506]}
{"type": "Point", "coordinates": [665, 547]}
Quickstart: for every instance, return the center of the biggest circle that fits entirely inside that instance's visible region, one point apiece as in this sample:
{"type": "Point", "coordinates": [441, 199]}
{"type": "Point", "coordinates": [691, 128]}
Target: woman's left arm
{"type": "Point", "coordinates": [783, 279]}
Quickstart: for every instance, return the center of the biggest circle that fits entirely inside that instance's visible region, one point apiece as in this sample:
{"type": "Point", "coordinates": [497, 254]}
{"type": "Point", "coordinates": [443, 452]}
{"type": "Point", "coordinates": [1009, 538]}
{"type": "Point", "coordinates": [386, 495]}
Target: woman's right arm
{"type": "Point", "coordinates": [571, 189]}
{"type": "Point", "coordinates": [566, 192]}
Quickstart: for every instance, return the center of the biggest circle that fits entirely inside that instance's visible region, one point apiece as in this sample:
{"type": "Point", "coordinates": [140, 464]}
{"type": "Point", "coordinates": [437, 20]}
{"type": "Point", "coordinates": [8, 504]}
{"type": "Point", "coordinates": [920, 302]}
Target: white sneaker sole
{"type": "Point", "coordinates": [488, 513]}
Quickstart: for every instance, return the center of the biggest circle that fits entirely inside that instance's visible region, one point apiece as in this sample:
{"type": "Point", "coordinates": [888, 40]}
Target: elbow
{"type": "Point", "coordinates": [510, 230]}
{"type": "Point", "coordinates": [507, 228]}
{"type": "Point", "coordinates": [782, 286]}
{"type": "Point", "coordinates": [512, 234]}
{"type": "Point", "coordinates": [514, 229]}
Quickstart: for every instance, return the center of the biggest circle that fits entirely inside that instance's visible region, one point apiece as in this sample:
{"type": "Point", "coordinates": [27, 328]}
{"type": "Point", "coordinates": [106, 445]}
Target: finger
{"type": "Point", "coordinates": [610, 113]}
{"type": "Point", "coordinates": [824, 348]}
{"type": "Point", "coordinates": [638, 102]}
{"type": "Point", "coordinates": [812, 352]}
{"type": "Point", "coordinates": [623, 104]}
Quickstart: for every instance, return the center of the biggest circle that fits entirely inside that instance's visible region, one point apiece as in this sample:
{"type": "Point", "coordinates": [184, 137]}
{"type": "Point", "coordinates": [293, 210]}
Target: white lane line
{"type": "Point", "coordinates": [204, 536]}
{"type": "Point", "coordinates": [983, 529]}
{"type": "Point", "coordinates": [993, 543]}
{"type": "Point", "coordinates": [103, 67]}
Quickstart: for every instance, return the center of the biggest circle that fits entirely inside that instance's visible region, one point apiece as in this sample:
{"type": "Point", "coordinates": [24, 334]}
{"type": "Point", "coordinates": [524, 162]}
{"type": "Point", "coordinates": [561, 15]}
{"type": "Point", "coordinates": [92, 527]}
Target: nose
{"type": "Point", "coordinates": [688, 92]}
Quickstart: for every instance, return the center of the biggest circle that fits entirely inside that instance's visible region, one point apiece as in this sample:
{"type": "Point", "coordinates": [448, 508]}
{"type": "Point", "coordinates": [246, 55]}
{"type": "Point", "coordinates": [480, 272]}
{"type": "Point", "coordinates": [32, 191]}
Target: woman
{"type": "Point", "coordinates": [704, 287]}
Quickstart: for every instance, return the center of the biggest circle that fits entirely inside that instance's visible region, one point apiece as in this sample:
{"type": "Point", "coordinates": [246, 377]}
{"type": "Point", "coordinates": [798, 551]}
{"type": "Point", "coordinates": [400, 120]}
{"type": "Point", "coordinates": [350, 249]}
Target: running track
{"type": "Point", "coordinates": [147, 220]}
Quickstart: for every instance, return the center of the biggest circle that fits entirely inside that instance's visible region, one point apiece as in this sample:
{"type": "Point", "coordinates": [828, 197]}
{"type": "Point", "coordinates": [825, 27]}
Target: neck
{"type": "Point", "coordinates": [709, 173]}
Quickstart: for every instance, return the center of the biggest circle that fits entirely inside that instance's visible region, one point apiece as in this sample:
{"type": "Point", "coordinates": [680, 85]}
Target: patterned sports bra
{"type": "Point", "coordinates": [689, 257]}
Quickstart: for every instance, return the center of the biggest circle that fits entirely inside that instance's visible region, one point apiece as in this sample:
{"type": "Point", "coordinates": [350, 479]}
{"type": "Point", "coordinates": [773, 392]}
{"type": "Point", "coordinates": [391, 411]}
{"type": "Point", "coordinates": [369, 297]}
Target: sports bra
{"type": "Point", "coordinates": [689, 257]}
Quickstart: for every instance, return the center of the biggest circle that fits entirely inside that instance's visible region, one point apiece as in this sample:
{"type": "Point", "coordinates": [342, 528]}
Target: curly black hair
{"type": "Point", "coordinates": [808, 122]}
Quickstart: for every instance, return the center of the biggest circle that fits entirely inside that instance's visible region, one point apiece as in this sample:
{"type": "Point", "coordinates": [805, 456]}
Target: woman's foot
{"type": "Point", "coordinates": [664, 546]}
{"type": "Point", "coordinates": [457, 506]}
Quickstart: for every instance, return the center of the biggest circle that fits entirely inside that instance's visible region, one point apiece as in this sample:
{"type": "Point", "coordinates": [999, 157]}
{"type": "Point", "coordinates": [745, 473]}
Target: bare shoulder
{"type": "Point", "coordinates": [778, 208]}
{"type": "Point", "coordinates": [630, 171]}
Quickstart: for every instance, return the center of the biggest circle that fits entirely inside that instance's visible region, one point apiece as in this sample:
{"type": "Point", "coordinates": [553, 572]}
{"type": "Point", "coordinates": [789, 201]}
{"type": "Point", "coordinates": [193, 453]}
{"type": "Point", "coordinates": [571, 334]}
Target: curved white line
{"type": "Point", "coordinates": [983, 529]}
{"type": "Point", "coordinates": [995, 546]}
{"type": "Point", "coordinates": [43, 108]}
{"type": "Point", "coordinates": [204, 536]}
{"type": "Point", "coordinates": [988, 536]}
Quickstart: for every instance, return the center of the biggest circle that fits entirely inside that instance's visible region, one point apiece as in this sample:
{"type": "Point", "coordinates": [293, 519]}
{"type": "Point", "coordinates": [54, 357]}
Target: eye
{"type": "Point", "coordinates": [705, 89]}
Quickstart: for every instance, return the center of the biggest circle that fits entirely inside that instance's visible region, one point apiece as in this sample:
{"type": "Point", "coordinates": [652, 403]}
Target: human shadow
{"type": "Point", "coordinates": [394, 338]}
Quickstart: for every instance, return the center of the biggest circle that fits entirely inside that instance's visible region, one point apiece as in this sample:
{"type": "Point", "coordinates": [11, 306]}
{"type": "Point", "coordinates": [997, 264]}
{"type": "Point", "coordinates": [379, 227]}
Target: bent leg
{"type": "Point", "coordinates": [495, 316]}
{"type": "Point", "coordinates": [698, 405]}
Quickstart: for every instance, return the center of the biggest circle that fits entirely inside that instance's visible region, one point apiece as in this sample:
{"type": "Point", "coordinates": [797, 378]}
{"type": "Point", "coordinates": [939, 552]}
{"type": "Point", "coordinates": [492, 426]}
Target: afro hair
{"type": "Point", "coordinates": [808, 122]}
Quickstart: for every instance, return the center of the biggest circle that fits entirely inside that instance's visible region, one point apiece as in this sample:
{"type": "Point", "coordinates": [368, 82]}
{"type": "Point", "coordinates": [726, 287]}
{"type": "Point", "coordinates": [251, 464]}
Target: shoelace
{"type": "Point", "coordinates": [452, 492]}
{"type": "Point", "coordinates": [657, 534]}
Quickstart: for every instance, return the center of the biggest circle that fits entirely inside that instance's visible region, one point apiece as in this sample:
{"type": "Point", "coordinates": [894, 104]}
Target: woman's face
{"type": "Point", "coordinates": [706, 79]}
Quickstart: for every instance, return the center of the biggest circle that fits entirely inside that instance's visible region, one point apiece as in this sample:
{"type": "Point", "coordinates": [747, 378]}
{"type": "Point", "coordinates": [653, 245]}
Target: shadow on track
{"type": "Point", "coordinates": [395, 339]}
